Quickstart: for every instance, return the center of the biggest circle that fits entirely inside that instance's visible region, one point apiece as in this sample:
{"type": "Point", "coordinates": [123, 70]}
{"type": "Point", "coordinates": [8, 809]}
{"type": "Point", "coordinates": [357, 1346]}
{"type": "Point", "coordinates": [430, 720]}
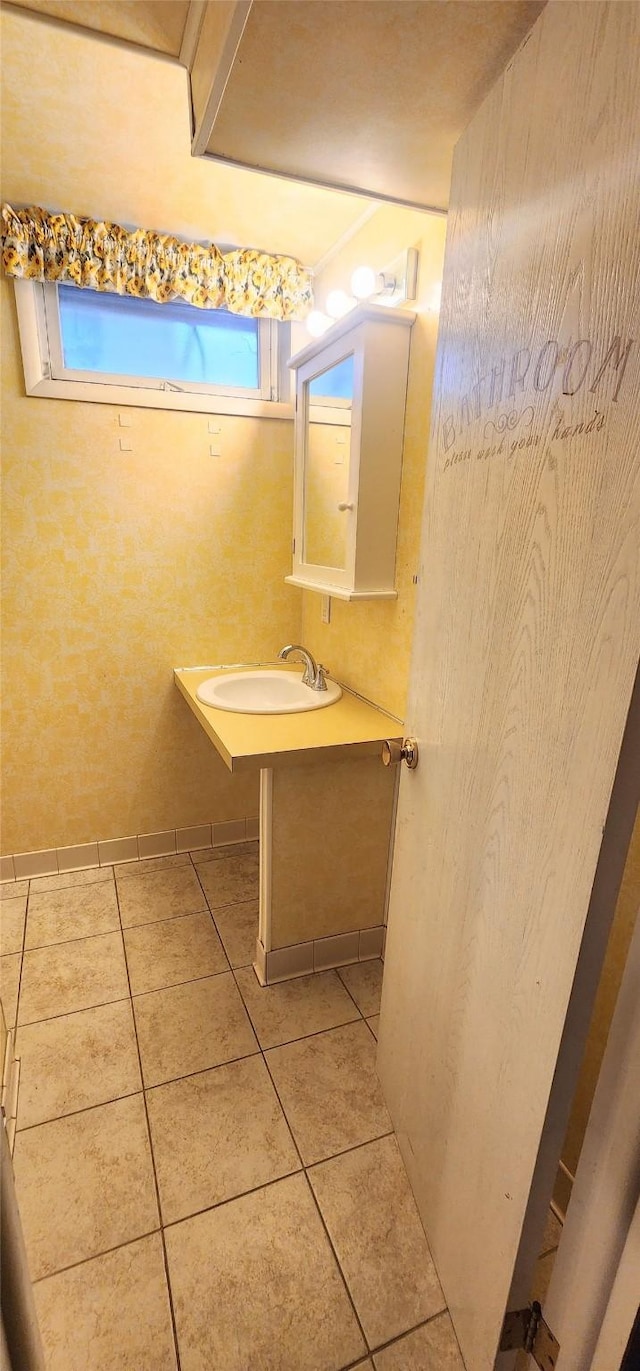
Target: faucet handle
{"type": "Point", "coordinates": [320, 682]}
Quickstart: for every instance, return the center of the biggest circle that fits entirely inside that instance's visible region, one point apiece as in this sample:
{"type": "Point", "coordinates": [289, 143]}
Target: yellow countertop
{"type": "Point", "coordinates": [350, 727]}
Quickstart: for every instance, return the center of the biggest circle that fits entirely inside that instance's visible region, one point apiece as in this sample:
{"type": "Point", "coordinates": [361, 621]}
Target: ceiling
{"type": "Point", "coordinates": [144, 22]}
{"type": "Point", "coordinates": [368, 96]}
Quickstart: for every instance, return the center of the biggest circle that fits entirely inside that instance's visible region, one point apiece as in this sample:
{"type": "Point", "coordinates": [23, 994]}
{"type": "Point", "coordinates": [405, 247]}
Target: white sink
{"type": "Point", "coordinates": [265, 692]}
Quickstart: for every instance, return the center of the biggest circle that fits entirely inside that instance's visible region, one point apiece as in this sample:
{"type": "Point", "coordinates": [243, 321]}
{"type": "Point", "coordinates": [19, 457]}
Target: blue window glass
{"type": "Point", "coordinates": [336, 383]}
{"type": "Point", "coordinates": [120, 335]}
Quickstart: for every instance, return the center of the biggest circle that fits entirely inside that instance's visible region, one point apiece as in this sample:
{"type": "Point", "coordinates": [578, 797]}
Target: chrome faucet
{"type": "Point", "coordinates": [313, 675]}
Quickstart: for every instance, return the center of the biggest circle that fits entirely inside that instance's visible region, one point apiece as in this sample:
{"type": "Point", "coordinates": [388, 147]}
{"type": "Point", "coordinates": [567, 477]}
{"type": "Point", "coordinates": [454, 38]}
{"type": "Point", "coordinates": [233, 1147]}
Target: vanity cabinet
{"type": "Point", "coordinates": [351, 388]}
{"type": "Point", "coordinates": [327, 808]}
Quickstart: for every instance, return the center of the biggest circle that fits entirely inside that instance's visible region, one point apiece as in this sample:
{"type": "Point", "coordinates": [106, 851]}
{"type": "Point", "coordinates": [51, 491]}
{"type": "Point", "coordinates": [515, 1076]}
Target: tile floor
{"type": "Point", "coordinates": [207, 1174]}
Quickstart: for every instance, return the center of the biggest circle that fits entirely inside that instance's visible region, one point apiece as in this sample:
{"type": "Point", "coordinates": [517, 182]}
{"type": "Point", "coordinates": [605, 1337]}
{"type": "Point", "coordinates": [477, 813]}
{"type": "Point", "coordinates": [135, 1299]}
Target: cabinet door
{"type": "Point", "coordinates": [350, 402]}
{"type": "Point", "coordinates": [327, 465]}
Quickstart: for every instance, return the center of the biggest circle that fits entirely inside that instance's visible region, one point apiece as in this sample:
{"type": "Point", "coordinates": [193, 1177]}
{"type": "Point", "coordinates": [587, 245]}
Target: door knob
{"type": "Point", "coordinates": [344, 504]}
{"type": "Point", "coordinates": [406, 751]}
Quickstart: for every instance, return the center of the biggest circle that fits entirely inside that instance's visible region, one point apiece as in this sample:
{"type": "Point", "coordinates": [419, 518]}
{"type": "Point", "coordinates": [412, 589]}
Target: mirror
{"type": "Point", "coordinates": [351, 387]}
{"type": "Point", "coordinates": [328, 408]}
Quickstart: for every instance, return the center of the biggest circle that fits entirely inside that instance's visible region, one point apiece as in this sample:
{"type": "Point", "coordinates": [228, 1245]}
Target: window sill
{"type": "Point", "coordinates": [160, 399]}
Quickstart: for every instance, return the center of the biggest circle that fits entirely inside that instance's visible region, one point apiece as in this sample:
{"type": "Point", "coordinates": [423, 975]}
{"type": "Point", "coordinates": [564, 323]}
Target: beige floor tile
{"type": "Point", "coordinates": [85, 1184]}
{"type": "Point", "coordinates": [296, 1008]}
{"type": "Point", "coordinates": [374, 1024]}
{"type": "Point", "coordinates": [13, 913]}
{"type": "Point", "coordinates": [217, 854]}
{"type": "Point", "coordinates": [146, 864]}
{"type": "Point", "coordinates": [237, 925]}
{"type": "Point", "coordinates": [191, 1027]}
{"type": "Point", "coordinates": [9, 982]}
{"type": "Point", "coordinates": [230, 880]}
{"type": "Point", "coordinates": [368, 1207]}
{"type": "Point", "coordinates": [159, 895]}
{"type": "Point", "coordinates": [364, 981]}
{"type": "Point", "coordinates": [330, 1091]}
{"type": "Point", "coordinates": [216, 1135]}
{"type": "Point", "coordinates": [13, 890]}
{"type": "Point", "coordinates": [255, 1285]}
{"type": "Point", "coordinates": [163, 954]}
{"type": "Point", "coordinates": [433, 1347]}
{"type": "Point", "coordinates": [110, 1313]}
{"type": "Point", "coordinates": [72, 976]}
{"type": "Point", "coordinates": [76, 1061]}
{"type": "Point", "coordinates": [79, 912]}
{"type": "Point", "coordinates": [93, 875]}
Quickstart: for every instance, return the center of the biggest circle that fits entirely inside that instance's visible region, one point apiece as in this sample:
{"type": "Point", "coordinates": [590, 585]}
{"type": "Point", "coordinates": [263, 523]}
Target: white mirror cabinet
{"type": "Point", "coordinates": [350, 400]}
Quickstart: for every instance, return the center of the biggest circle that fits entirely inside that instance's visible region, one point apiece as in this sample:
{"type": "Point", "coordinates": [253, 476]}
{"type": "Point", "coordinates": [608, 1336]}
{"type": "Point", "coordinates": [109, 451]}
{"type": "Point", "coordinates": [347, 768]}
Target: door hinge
{"type": "Point", "coordinates": [526, 1328]}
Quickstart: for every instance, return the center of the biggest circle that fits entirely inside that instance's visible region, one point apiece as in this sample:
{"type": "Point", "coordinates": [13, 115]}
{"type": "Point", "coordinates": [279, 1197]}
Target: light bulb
{"type": "Point", "coordinates": [364, 282]}
{"type": "Point", "coordinates": [339, 303]}
{"type": "Point", "coordinates": [317, 323]}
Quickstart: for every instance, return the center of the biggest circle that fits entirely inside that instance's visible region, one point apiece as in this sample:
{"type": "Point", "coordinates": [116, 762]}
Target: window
{"type": "Point", "coordinates": [117, 349]}
{"type": "Point", "coordinates": [128, 339]}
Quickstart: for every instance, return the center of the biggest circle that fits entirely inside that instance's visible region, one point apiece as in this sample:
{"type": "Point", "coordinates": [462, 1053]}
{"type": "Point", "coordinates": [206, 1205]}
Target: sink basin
{"type": "Point", "coordinates": [265, 692]}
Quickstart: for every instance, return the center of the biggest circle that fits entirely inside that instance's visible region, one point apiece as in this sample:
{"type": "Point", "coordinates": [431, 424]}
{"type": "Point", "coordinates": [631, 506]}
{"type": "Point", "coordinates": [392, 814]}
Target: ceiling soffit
{"type": "Point", "coordinates": [369, 96]}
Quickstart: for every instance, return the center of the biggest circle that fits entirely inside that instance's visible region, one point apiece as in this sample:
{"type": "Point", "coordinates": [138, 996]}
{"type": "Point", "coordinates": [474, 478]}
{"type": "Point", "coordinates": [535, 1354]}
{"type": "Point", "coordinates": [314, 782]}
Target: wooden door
{"type": "Point", "coordinates": [526, 647]}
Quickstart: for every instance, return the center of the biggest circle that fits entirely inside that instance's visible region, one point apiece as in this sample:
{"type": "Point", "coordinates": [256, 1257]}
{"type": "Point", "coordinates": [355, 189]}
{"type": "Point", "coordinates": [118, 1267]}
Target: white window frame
{"type": "Point", "coordinates": [45, 374]}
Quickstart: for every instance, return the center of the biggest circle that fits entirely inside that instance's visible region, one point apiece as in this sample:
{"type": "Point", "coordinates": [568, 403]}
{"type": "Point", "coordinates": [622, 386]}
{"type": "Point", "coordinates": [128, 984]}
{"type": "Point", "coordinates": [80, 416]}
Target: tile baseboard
{"type": "Point", "coordinates": [279, 964]}
{"type": "Point", "coordinates": [318, 954]}
{"type": "Point", "coordinates": [21, 866]}
{"type": "Point", "coordinates": [285, 963]}
{"type": "Point", "coordinates": [338, 950]}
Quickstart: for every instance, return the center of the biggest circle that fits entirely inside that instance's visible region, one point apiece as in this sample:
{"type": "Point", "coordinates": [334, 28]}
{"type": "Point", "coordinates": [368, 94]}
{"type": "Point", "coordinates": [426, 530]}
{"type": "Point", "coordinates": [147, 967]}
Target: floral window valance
{"type": "Point", "coordinates": [40, 246]}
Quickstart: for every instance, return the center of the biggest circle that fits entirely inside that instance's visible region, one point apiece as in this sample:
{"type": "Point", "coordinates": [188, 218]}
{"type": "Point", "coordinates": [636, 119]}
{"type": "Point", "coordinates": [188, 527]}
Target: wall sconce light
{"type": "Point", "coordinates": [397, 284]}
{"type": "Point", "coordinates": [339, 303]}
{"type": "Point", "coordinates": [364, 282]}
{"type": "Point", "coordinates": [393, 286]}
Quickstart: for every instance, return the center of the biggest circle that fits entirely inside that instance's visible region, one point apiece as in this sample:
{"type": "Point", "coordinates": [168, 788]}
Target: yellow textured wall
{"type": "Point", "coordinates": [103, 130]}
{"type": "Point", "coordinates": [119, 565]}
{"type": "Point", "coordinates": [116, 567]}
{"type": "Point", "coordinates": [368, 643]}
